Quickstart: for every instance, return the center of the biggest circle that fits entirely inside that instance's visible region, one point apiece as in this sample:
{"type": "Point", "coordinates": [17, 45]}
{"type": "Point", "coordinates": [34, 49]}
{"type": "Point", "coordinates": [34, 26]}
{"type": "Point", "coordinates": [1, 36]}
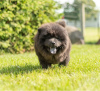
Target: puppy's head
{"type": "Point", "coordinates": [52, 37]}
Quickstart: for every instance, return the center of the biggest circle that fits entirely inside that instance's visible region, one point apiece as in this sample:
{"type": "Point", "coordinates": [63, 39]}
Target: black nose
{"type": "Point", "coordinates": [53, 43]}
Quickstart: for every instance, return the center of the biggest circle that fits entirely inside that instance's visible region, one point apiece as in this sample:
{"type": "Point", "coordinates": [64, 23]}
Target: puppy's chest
{"type": "Point", "coordinates": [53, 60]}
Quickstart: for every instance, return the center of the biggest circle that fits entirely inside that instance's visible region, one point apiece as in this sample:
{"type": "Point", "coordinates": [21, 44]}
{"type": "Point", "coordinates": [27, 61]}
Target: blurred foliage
{"type": "Point", "coordinates": [19, 20]}
{"type": "Point", "coordinates": [90, 10]}
{"type": "Point", "coordinates": [72, 11]}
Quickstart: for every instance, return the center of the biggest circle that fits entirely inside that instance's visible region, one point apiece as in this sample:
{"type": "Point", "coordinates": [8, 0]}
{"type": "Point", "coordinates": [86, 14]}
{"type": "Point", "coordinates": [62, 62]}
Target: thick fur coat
{"type": "Point", "coordinates": [52, 44]}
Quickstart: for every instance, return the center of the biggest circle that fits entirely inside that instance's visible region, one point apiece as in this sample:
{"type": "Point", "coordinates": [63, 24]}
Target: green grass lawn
{"type": "Point", "coordinates": [91, 35]}
{"type": "Point", "coordinates": [23, 72]}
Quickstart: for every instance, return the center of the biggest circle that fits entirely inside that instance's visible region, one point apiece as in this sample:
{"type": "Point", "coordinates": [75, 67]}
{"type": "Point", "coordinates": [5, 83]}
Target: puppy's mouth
{"type": "Point", "coordinates": [53, 50]}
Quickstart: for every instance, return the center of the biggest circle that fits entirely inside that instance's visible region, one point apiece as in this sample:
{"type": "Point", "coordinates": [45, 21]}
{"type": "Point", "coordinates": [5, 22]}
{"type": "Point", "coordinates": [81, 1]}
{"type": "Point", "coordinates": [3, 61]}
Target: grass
{"type": "Point", "coordinates": [91, 35]}
{"type": "Point", "coordinates": [23, 72]}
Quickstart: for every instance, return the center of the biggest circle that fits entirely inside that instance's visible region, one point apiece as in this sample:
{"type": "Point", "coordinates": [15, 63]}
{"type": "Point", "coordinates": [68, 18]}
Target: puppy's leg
{"type": "Point", "coordinates": [65, 62]}
{"type": "Point", "coordinates": [44, 64]}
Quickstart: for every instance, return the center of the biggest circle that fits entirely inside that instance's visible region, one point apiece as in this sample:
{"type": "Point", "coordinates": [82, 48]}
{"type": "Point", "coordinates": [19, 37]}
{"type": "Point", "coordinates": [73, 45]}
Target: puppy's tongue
{"type": "Point", "coordinates": [53, 50]}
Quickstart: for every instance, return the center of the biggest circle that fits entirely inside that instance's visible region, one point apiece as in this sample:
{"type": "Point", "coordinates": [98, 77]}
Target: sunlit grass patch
{"type": "Point", "coordinates": [23, 72]}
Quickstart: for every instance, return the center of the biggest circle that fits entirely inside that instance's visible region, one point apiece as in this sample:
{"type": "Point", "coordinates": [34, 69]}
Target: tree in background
{"type": "Point", "coordinates": [72, 11]}
{"type": "Point", "coordinates": [89, 9]}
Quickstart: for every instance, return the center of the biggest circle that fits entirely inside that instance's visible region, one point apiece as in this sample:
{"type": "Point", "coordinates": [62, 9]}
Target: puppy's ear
{"type": "Point", "coordinates": [62, 23]}
{"type": "Point", "coordinates": [39, 30]}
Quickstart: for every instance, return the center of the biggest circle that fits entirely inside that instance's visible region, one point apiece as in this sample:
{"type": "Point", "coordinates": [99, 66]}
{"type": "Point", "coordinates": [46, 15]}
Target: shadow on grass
{"type": "Point", "coordinates": [19, 69]}
{"type": "Point", "coordinates": [90, 43]}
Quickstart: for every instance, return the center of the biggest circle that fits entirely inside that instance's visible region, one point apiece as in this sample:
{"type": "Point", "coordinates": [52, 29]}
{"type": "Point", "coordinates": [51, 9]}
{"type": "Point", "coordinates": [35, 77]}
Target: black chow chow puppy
{"type": "Point", "coordinates": [52, 44]}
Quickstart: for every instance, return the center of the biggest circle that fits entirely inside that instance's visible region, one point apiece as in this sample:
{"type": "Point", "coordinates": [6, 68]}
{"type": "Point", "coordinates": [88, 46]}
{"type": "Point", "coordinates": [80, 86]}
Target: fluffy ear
{"type": "Point", "coordinates": [39, 30]}
{"type": "Point", "coordinates": [61, 22]}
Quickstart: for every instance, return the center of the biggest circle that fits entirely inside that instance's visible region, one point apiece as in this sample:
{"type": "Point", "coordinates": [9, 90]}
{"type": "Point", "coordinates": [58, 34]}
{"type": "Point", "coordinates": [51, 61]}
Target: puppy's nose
{"type": "Point", "coordinates": [53, 43]}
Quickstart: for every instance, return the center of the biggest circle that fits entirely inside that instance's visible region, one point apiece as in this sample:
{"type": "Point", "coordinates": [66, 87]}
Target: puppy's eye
{"type": "Point", "coordinates": [49, 36]}
{"type": "Point", "coordinates": [59, 38]}
{"type": "Point", "coordinates": [44, 35]}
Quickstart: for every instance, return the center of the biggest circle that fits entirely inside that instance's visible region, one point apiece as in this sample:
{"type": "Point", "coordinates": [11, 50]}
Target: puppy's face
{"type": "Point", "coordinates": [52, 38]}
{"type": "Point", "coordinates": [52, 44]}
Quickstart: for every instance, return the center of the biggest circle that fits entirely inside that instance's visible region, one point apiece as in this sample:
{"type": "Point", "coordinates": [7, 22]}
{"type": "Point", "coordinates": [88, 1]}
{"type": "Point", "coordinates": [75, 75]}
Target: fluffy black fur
{"type": "Point", "coordinates": [52, 44]}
